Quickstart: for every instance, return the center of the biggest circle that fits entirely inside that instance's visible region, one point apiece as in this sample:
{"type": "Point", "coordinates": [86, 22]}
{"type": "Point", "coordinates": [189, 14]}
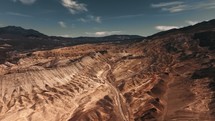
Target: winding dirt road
{"type": "Point", "coordinates": [103, 76]}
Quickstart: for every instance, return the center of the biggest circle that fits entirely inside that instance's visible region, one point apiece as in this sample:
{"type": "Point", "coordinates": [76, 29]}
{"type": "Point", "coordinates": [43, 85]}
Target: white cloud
{"type": "Point", "coordinates": [18, 14]}
{"type": "Point", "coordinates": [178, 6]}
{"type": "Point", "coordinates": [65, 35]}
{"type": "Point", "coordinates": [98, 19]}
{"type": "Point", "coordinates": [165, 28]}
{"type": "Point", "coordinates": [74, 7]}
{"type": "Point", "coordinates": [91, 18]}
{"type": "Point", "coordinates": [172, 7]}
{"type": "Point", "coordinates": [83, 20]}
{"type": "Point", "coordinates": [62, 24]}
{"type": "Point", "coordinates": [26, 2]}
{"type": "Point", "coordinates": [192, 22]}
{"type": "Point", "coordinates": [175, 9]}
{"type": "Point", "coordinates": [165, 4]}
{"type": "Point", "coordinates": [103, 33]}
{"type": "Point", "coordinates": [125, 16]}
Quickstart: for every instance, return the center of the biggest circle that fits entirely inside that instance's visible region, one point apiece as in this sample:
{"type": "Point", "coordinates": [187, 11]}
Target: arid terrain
{"type": "Point", "coordinates": [169, 76]}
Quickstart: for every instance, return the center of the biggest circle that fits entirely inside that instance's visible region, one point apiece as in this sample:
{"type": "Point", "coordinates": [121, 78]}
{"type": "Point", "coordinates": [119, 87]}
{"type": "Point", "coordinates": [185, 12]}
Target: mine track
{"type": "Point", "coordinates": [118, 101]}
{"type": "Point", "coordinates": [103, 76]}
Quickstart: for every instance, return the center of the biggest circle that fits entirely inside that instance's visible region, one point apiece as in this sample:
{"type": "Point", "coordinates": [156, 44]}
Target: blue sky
{"type": "Point", "coordinates": [104, 17]}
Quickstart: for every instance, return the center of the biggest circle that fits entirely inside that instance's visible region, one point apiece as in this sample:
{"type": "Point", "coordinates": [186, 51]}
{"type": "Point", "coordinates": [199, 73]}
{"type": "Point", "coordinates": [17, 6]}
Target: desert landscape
{"type": "Point", "coordinates": [168, 76]}
{"type": "Point", "coordinates": [76, 60]}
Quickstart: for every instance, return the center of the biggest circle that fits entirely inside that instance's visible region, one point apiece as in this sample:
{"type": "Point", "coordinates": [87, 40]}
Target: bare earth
{"type": "Point", "coordinates": [161, 79]}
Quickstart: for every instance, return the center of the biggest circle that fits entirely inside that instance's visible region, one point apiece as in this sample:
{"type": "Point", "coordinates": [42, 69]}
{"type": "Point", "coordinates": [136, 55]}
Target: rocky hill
{"type": "Point", "coordinates": [166, 77]}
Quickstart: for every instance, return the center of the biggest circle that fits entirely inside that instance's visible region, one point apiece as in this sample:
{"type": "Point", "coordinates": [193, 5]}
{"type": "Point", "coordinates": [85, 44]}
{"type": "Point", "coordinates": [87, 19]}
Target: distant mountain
{"type": "Point", "coordinates": [204, 32]}
{"type": "Point", "coordinates": [29, 39]}
{"type": "Point", "coordinates": [200, 27]}
{"type": "Point", "coordinates": [11, 31]}
{"type": "Point", "coordinates": [24, 39]}
{"type": "Point", "coordinates": [111, 38]}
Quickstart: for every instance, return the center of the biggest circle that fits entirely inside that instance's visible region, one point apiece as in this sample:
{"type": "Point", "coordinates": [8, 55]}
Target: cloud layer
{"type": "Point", "coordinates": [103, 33]}
{"type": "Point", "coordinates": [178, 6]}
{"type": "Point", "coordinates": [91, 18]}
{"type": "Point", "coordinates": [165, 28]}
{"type": "Point", "coordinates": [166, 4]}
{"type": "Point", "coordinates": [62, 24]}
{"type": "Point", "coordinates": [18, 14]}
{"type": "Point", "coordinates": [26, 2]}
{"type": "Point", "coordinates": [74, 7]}
{"type": "Point", "coordinates": [192, 22]}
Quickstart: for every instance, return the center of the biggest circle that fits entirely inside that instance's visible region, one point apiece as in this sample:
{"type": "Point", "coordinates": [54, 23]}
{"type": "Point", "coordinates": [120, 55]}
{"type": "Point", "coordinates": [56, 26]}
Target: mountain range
{"type": "Point", "coordinates": [27, 39]}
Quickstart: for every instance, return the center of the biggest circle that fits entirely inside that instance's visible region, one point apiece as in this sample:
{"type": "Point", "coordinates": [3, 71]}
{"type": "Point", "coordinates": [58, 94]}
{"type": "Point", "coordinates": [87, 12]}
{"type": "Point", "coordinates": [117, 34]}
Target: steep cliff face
{"type": "Point", "coordinates": [161, 78]}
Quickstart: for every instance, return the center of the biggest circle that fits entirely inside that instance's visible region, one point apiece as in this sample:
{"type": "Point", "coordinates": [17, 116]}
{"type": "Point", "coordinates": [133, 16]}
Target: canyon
{"type": "Point", "coordinates": [169, 76]}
